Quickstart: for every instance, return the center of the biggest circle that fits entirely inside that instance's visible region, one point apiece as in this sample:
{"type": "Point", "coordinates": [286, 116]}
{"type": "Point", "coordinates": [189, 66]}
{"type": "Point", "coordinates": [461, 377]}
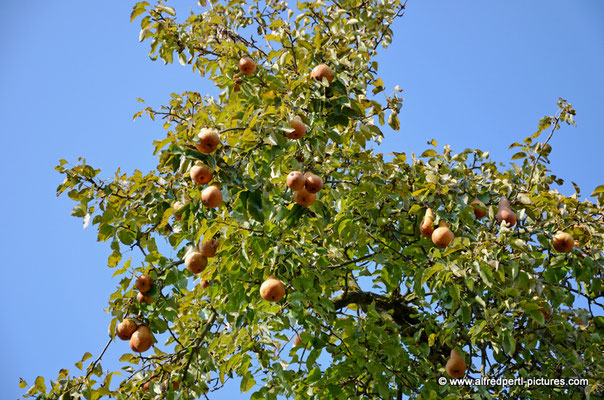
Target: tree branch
{"type": "Point", "coordinates": [401, 313]}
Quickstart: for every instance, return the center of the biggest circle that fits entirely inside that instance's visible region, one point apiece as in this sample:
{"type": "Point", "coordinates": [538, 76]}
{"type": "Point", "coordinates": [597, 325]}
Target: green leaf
{"type": "Point", "coordinates": [428, 272]}
{"type": "Point", "coordinates": [432, 178]}
{"type": "Point", "coordinates": [598, 190]}
{"type": "Point", "coordinates": [520, 154]}
{"type": "Point", "coordinates": [394, 122]}
{"type": "Point", "coordinates": [429, 153]}
{"type": "Point", "coordinates": [127, 237]}
{"type": "Point", "coordinates": [167, 10]}
{"type": "Point", "coordinates": [39, 385]}
{"type": "Point", "coordinates": [537, 316]}
{"type": "Point", "coordinates": [254, 205]}
{"type": "Point", "coordinates": [509, 343]}
{"type": "Point", "coordinates": [247, 382]}
{"type": "Point", "coordinates": [138, 9]}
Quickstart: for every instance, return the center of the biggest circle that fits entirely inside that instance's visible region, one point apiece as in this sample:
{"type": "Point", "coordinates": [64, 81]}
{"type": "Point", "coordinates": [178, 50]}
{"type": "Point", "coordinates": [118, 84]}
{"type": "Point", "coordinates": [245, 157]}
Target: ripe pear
{"type": "Point", "coordinates": [442, 236]}
{"type": "Point", "coordinates": [480, 210]}
{"type": "Point", "coordinates": [141, 340]}
{"type": "Point", "coordinates": [201, 173]}
{"type": "Point", "coordinates": [144, 298]}
{"type": "Point", "coordinates": [247, 66]}
{"type": "Point", "coordinates": [177, 206]}
{"type": "Point", "coordinates": [322, 71]}
{"type": "Point", "coordinates": [204, 284]}
{"type": "Point", "coordinates": [563, 242]}
{"type": "Point", "coordinates": [144, 283]}
{"type": "Point", "coordinates": [195, 262]}
{"type": "Point", "coordinates": [295, 180]}
{"type": "Point", "coordinates": [272, 289]}
{"type": "Point", "coordinates": [304, 197]}
{"type": "Point", "coordinates": [211, 196]}
{"type": "Point", "coordinates": [427, 225]}
{"type": "Point", "coordinates": [313, 183]}
{"type": "Point", "coordinates": [208, 248]}
{"type": "Point", "coordinates": [456, 366]}
{"type": "Point", "coordinates": [505, 213]}
{"type": "Point", "coordinates": [299, 129]}
{"type": "Point", "coordinates": [126, 328]}
{"type": "Point", "coordinates": [208, 140]}
{"type": "Point", "coordinates": [297, 340]}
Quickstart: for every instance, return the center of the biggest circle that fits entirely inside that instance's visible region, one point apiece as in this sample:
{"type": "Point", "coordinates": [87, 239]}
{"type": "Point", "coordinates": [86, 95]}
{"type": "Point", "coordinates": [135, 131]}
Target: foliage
{"type": "Point", "coordinates": [377, 305]}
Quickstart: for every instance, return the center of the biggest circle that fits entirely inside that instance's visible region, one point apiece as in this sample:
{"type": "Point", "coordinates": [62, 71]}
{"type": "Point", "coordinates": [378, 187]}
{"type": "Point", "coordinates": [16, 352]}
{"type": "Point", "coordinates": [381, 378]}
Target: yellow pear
{"type": "Point", "coordinates": [144, 283]}
{"type": "Point", "coordinates": [126, 328]}
{"type": "Point", "coordinates": [480, 210]}
{"type": "Point", "coordinates": [211, 196]}
{"type": "Point", "coordinates": [295, 180]}
{"type": "Point", "coordinates": [208, 140]}
{"type": "Point", "coordinates": [427, 226]}
{"type": "Point", "coordinates": [442, 236]}
{"type": "Point", "coordinates": [304, 197]}
{"type": "Point", "coordinates": [141, 340]}
{"type": "Point", "coordinates": [201, 173]}
{"type": "Point", "coordinates": [247, 66]}
{"type": "Point", "coordinates": [456, 366]}
{"type": "Point", "coordinates": [563, 242]}
{"type": "Point", "coordinates": [272, 289]}
{"type": "Point", "coordinates": [195, 262]}
{"type": "Point", "coordinates": [322, 71]}
{"type": "Point", "coordinates": [177, 206]}
{"type": "Point", "coordinates": [144, 298]}
{"type": "Point", "coordinates": [208, 248]}
{"type": "Point", "coordinates": [299, 129]}
{"type": "Point", "coordinates": [313, 183]}
{"type": "Point", "coordinates": [505, 213]}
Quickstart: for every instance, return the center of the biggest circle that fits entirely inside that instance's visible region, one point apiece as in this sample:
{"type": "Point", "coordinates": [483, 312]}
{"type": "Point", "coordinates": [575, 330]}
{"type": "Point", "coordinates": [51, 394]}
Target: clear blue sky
{"type": "Point", "coordinates": [475, 74]}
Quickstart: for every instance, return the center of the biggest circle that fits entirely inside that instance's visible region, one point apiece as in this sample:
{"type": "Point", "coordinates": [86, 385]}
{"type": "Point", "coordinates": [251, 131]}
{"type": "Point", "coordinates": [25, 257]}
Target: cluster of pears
{"type": "Point", "coordinates": [305, 187]}
{"type": "Point", "coordinates": [139, 335]}
{"type": "Point", "coordinates": [441, 236]}
{"type": "Point", "coordinates": [200, 173]}
{"type": "Point", "coordinates": [197, 260]}
{"type": "Point", "coordinates": [562, 241]}
{"type": "Point", "coordinates": [247, 66]}
{"type": "Point", "coordinates": [143, 284]}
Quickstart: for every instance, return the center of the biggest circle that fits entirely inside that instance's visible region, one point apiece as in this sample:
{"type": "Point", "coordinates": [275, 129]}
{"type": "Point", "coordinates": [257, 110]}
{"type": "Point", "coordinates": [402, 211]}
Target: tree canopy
{"type": "Point", "coordinates": [374, 301]}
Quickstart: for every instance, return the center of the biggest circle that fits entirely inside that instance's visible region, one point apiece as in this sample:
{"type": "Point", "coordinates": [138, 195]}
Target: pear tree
{"type": "Point", "coordinates": [375, 277]}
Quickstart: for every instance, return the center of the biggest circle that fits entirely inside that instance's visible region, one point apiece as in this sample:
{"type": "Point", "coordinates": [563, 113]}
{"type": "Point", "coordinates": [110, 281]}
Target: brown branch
{"type": "Point", "coordinates": [200, 340]}
{"type": "Point", "coordinates": [554, 127]}
{"type": "Point", "coordinates": [91, 367]}
{"type": "Point", "coordinates": [368, 256]}
{"type": "Point", "coordinates": [401, 313]}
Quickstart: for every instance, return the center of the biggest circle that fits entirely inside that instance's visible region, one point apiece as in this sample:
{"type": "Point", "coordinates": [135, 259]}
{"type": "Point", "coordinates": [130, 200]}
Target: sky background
{"type": "Point", "coordinates": [475, 74]}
